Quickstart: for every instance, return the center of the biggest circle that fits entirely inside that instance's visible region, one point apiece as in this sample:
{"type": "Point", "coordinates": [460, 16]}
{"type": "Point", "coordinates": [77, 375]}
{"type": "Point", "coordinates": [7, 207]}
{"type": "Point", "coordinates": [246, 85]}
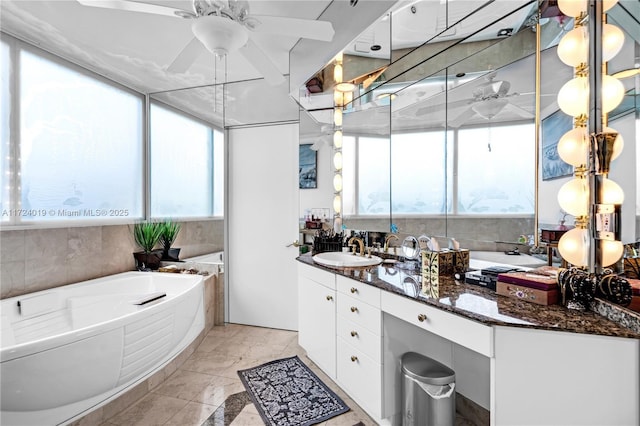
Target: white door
{"type": "Point", "coordinates": [262, 219]}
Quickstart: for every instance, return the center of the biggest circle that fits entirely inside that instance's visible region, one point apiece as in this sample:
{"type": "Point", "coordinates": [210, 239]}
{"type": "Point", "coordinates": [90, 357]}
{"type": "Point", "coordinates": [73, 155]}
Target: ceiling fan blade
{"type": "Point", "coordinates": [262, 63]}
{"type": "Point", "coordinates": [519, 111]}
{"type": "Point", "coordinates": [187, 56]}
{"type": "Point", "coordinates": [441, 107]}
{"type": "Point", "coordinates": [134, 6]}
{"type": "Point", "coordinates": [459, 120]}
{"type": "Point", "coordinates": [294, 27]}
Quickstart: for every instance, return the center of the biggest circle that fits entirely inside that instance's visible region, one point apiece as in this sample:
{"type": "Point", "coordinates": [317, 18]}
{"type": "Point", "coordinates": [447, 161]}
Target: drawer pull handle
{"type": "Point", "coordinates": [354, 333]}
{"type": "Point", "coordinates": [422, 317]}
{"type": "Point", "coordinates": [354, 358]}
{"type": "Point", "coordinates": [329, 298]}
{"type": "Point", "coordinates": [354, 290]}
{"type": "Point", "coordinates": [354, 309]}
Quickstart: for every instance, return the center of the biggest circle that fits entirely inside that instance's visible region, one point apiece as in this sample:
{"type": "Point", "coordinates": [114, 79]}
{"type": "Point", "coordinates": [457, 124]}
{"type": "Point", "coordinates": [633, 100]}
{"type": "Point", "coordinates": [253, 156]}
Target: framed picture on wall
{"type": "Point", "coordinates": [552, 129]}
{"type": "Point", "coordinates": [307, 167]}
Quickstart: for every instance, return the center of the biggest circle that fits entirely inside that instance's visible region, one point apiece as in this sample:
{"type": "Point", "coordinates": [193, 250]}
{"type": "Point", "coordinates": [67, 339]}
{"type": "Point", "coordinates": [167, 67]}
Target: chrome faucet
{"type": "Point", "coordinates": [360, 245]}
{"type": "Point", "coordinates": [387, 239]}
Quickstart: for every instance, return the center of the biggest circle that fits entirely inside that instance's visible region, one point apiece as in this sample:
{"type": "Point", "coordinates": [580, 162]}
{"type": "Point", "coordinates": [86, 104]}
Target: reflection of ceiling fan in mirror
{"type": "Point", "coordinates": [224, 27]}
{"type": "Point", "coordinates": [489, 99]}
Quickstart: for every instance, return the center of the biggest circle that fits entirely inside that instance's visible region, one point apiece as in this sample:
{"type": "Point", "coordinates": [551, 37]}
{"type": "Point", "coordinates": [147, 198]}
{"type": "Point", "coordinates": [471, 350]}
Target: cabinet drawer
{"type": "Point", "coordinates": [468, 333]}
{"type": "Point", "coordinates": [327, 279]}
{"type": "Point", "coordinates": [359, 290]}
{"type": "Point", "coordinates": [360, 377]}
{"type": "Point", "coordinates": [360, 338]}
{"type": "Point", "coordinates": [359, 313]}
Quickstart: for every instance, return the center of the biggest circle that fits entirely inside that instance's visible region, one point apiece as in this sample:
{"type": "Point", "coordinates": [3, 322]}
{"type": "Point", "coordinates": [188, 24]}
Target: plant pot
{"type": "Point", "coordinates": [147, 261]}
{"type": "Point", "coordinates": [171, 254]}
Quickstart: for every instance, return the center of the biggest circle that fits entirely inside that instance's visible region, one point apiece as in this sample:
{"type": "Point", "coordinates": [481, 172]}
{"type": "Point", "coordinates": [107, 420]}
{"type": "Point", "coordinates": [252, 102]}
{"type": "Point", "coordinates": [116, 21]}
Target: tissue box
{"type": "Point", "coordinates": [430, 273]}
{"type": "Point", "coordinates": [460, 261]}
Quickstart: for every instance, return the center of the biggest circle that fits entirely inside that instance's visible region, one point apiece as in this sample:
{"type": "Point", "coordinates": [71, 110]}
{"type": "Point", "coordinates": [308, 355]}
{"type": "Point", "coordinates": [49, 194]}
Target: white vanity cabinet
{"type": "Point", "coordinates": [359, 343]}
{"type": "Point", "coordinates": [317, 316]}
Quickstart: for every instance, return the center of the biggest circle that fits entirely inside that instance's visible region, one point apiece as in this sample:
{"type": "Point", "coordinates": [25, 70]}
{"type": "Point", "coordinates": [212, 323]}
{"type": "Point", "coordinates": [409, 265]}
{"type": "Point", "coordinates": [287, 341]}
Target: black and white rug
{"type": "Point", "coordinates": [287, 392]}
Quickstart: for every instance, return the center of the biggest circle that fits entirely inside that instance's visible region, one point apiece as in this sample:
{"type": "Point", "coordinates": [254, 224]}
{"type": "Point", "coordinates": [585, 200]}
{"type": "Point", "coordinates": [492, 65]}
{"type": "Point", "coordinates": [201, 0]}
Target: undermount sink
{"type": "Point", "coordinates": [337, 259]}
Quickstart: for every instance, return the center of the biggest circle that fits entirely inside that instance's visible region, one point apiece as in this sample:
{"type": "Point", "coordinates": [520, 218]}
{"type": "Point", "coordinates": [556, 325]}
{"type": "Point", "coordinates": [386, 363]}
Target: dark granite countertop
{"type": "Point", "coordinates": [483, 305]}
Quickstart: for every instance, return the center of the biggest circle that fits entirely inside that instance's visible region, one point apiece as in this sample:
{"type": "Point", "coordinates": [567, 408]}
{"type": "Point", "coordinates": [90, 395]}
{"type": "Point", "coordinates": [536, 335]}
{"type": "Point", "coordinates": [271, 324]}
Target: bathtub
{"type": "Point", "coordinates": [72, 348]}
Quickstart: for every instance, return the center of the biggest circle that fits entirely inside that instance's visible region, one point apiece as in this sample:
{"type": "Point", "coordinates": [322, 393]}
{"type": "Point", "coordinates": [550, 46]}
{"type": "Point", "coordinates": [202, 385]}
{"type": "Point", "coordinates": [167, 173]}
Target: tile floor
{"type": "Point", "coordinates": [208, 378]}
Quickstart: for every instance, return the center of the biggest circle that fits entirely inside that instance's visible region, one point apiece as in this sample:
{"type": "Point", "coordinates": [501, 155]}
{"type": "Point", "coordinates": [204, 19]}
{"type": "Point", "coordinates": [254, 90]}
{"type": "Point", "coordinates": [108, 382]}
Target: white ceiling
{"type": "Point", "coordinates": [135, 48]}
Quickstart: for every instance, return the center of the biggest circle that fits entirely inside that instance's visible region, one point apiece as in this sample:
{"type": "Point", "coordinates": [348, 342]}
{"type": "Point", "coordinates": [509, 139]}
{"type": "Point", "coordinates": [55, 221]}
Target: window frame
{"type": "Point", "coordinates": [16, 46]}
{"type": "Point", "coordinates": [452, 186]}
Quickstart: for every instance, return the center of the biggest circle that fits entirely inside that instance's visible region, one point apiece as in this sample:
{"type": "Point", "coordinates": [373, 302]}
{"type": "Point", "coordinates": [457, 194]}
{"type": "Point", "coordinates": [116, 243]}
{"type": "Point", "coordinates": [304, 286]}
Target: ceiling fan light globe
{"type": "Point", "coordinates": [219, 35]}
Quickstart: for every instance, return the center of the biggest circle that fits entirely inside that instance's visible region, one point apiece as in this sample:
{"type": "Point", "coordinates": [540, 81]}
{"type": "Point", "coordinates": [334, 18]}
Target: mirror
{"type": "Point", "coordinates": [461, 99]}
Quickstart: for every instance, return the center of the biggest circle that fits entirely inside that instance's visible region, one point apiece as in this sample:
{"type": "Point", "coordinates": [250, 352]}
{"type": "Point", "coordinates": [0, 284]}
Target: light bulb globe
{"type": "Point", "coordinates": [337, 117]}
{"type": "Point", "coordinates": [612, 93]}
{"type": "Point", "coordinates": [337, 160]}
{"type": "Point", "coordinates": [572, 8]}
{"type": "Point", "coordinates": [611, 252]}
{"type": "Point", "coordinates": [573, 197]}
{"type": "Point", "coordinates": [337, 139]}
{"type": "Point", "coordinates": [573, 48]}
{"type": "Point", "coordinates": [574, 246]}
{"type": "Point", "coordinates": [612, 193]}
{"type": "Point", "coordinates": [573, 97]}
{"type": "Point", "coordinates": [573, 146]}
{"type": "Point", "coordinates": [612, 41]}
{"type": "Point", "coordinates": [337, 204]}
{"type": "Point", "coordinates": [337, 182]}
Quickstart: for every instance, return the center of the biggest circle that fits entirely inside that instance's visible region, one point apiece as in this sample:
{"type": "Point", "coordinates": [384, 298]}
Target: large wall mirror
{"type": "Point", "coordinates": [462, 141]}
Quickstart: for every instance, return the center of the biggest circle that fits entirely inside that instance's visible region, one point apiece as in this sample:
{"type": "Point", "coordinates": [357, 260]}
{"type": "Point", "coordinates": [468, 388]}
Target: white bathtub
{"type": "Point", "coordinates": [68, 349]}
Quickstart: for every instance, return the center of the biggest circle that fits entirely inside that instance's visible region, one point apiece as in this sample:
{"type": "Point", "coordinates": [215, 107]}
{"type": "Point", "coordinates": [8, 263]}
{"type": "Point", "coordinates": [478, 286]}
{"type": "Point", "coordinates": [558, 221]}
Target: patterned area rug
{"type": "Point", "coordinates": [287, 392]}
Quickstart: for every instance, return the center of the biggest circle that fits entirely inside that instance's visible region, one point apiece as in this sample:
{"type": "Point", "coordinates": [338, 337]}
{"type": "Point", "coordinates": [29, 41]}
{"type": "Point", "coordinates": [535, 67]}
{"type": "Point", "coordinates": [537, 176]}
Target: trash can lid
{"type": "Point", "coordinates": [426, 370]}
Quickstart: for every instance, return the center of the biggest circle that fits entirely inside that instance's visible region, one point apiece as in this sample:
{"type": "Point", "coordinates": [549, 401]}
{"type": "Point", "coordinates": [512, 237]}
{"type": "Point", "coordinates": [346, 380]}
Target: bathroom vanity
{"type": "Point", "coordinates": [524, 363]}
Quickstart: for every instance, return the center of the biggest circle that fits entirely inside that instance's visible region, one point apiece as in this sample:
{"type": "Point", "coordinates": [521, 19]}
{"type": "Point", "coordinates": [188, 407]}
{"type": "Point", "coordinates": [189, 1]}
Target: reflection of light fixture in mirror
{"type": "Point", "coordinates": [489, 108]}
{"type": "Point", "coordinates": [391, 96]}
{"type": "Point", "coordinates": [337, 160]}
{"type": "Point", "coordinates": [345, 87]}
{"type": "Point", "coordinates": [337, 73]}
{"type": "Point", "coordinates": [337, 204]}
{"type": "Point", "coordinates": [627, 73]}
{"type": "Point", "coordinates": [337, 182]}
{"type": "Point", "coordinates": [218, 34]}
{"type": "Point", "coordinates": [337, 117]}
{"type": "Point", "coordinates": [573, 48]}
{"type": "Point", "coordinates": [575, 8]}
{"type": "Point", "coordinates": [337, 139]}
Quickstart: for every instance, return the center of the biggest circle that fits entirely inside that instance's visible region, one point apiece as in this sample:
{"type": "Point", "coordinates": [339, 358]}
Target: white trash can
{"type": "Point", "coordinates": [428, 392]}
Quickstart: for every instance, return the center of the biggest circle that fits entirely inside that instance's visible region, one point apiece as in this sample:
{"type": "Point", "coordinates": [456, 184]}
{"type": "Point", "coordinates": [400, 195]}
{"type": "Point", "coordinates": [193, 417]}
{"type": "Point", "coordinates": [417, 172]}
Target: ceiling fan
{"type": "Point", "coordinates": [487, 100]}
{"type": "Point", "coordinates": [225, 26]}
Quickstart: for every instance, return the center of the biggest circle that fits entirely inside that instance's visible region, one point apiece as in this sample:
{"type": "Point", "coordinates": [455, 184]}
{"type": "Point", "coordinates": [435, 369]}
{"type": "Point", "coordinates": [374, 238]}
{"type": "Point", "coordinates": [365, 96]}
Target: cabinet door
{"type": "Point", "coordinates": [361, 377]}
{"type": "Point", "coordinates": [317, 323]}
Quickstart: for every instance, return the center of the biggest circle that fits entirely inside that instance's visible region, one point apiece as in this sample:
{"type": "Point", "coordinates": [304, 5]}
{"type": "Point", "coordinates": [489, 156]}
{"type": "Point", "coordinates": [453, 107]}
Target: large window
{"type": "Point", "coordinates": [80, 145]}
{"type": "Point", "coordinates": [496, 170]}
{"type": "Point", "coordinates": [73, 148]}
{"type": "Point", "coordinates": [186, 165]}
{"type": "Point", "coordinates": [473, 171]}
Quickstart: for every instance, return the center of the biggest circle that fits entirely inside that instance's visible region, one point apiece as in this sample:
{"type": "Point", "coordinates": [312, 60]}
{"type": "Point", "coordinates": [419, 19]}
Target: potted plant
{"type": "Point", "coordinates": [167, 238]}
{"type": "Point", "coordinates": [147, 235]}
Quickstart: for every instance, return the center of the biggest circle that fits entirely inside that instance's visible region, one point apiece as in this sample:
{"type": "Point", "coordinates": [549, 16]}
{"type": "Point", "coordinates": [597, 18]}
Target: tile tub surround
{"type": "Point", "coordinates": [39, 259]}
{"type": "Point", "coordinates": [479, 304]}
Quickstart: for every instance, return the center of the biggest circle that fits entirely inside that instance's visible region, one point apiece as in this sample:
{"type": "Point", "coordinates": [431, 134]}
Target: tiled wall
{"type": "Point", "coordinates": [38, 259]}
